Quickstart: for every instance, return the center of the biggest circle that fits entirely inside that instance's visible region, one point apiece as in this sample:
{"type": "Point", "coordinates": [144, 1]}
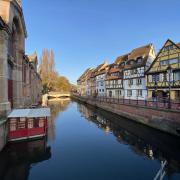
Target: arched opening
{"type": "Point", "coordinates": [15, 41]}
{"type": "Point", "coordinates": [14, 47]}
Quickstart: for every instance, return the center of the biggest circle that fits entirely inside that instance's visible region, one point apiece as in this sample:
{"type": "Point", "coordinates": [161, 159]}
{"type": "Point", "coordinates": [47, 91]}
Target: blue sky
{"type": "Point", "coordinates": [84, 33]}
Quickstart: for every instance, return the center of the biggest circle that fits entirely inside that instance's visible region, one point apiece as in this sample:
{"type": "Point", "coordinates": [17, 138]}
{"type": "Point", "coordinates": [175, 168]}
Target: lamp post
{"type": "Point", "coordinates": [169, 72]}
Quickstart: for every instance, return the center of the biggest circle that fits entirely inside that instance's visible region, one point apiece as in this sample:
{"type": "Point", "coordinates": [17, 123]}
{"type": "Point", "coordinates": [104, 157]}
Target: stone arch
{"type": "Point", "coordinates": [17, 40]}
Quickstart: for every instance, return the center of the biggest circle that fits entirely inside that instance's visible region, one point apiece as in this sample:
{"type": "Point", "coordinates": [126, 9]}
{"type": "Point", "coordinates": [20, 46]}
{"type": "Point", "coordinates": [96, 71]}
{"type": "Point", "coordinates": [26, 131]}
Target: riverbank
{"type": "Point", "coordinates": [163, 119]}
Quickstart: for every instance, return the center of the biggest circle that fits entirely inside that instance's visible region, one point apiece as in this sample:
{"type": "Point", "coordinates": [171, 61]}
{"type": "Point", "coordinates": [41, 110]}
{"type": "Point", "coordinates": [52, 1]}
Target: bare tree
{"type": "Point", "coordinates": [50, 79]}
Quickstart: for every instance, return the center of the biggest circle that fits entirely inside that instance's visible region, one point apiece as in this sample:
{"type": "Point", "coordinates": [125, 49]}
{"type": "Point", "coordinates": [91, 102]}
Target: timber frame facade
{"type": "Point", "coordinates": [114, 82]}
{"type": "Point", "coordinates": [163, 76]}
{"type": "Point", "coordinates": [100, 75]}
{"type": "Point", "coordinates": [139, 60]}
{"type": "Point", "coordinates": [137, 75]}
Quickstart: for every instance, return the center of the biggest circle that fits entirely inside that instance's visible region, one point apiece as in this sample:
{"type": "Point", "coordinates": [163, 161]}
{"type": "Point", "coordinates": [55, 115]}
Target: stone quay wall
{"type": "Point", "coordinates": [164, 120]}
{"type": "Point", "coordinates": [3, 134]}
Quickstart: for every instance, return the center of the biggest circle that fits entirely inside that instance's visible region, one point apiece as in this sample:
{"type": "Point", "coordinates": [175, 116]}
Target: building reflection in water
{"type": "Point", "coordinates": [17, 158]}
{"type": "Point", "coordinates": [57, 106]}
{"type": "Point", "coordinates": [142, 140]}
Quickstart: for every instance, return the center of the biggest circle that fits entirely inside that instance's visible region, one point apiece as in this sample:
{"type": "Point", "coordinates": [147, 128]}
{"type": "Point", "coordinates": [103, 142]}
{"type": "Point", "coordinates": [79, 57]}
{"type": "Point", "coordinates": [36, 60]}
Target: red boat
{"type": "Point", "coordinates": [28, 123]}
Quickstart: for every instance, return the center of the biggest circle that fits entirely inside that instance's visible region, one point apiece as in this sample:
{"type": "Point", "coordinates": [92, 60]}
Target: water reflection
{"type": "Point", "coordinates": [57, 106]}
{"type": "Point", "coordinates": [142, 140]}
{"type": "Point", "coordinates": [17, 158]}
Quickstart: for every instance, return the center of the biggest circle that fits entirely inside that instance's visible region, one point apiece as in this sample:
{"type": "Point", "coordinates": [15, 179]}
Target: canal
{"type": "Point", "coordinates": [85, 143]}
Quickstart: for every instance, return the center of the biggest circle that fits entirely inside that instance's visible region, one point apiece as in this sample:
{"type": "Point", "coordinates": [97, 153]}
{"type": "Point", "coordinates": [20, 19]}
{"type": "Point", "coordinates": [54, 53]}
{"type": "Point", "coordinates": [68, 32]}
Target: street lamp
{"type": "Point", "coordinates": [169, 72]}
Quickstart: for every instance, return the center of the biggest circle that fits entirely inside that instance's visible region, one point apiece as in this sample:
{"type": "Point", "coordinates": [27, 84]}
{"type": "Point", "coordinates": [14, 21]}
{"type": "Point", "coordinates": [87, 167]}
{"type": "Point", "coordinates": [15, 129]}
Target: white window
{"type": "Point", "coordinates": [155, 77]}
{"type": "Point", "coordinates": [119, 82]}
{"type": "Point", "coordinates": [132, 72]}
{"type": "Point", "coordinates": [177, 76]}
{"type": "Point", "coordinates": [129, 93]}
{"type": "Point", "coordinates": [167, 77]}
{"type": "Point", "coordinates": [41, 122]}
{"type": "Point", "coordinates": [150, 78]}
{"type": "Point", "coordinates": [22, 123]}
{"type": "Point", "coordinates": [130, 82]}
{"type": "Point", "coordinates": [30, 123]}
{"type": "Point", "coordinates": [161, 76]}
{"type": "Point", "coordinates": [110, 93]}
{"type": "Point", "coordinates": [139, 92]}
{"type": "Point", "coordinates": [139, 81]}
{"type": "Point", "coordinates": [13, 124]}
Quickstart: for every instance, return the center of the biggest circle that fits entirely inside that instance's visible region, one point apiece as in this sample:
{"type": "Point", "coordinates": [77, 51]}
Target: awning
{"type": "Point", "coordinates": [30, 113]}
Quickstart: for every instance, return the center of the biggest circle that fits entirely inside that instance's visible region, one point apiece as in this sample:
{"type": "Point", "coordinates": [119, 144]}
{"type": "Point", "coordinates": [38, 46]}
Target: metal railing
{"type": "Point", "coordinates": [162, 103]}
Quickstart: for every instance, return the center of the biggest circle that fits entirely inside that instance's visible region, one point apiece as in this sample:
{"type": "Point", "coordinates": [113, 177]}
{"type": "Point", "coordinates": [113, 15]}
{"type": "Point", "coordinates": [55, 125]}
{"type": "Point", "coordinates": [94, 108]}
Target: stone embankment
{"type": "Point", "coordinates": [163, 119]}
{"type": "Point", "coordinates": [3, 133]}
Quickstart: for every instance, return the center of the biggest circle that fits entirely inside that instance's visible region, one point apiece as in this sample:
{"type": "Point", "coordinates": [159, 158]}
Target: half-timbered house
{"type": "Point", "coordinates": [100, 74]}
{"type": "Point", "coordinates": [139, 60]}
{"type": "Point", "coordinates": [82, 82]}
{"type": "Point", "coordinates": [114, 78]}
{"type": "Point", "coordinates": [89, 82]}
{"type": "Point", "coordinates": [163, 76]}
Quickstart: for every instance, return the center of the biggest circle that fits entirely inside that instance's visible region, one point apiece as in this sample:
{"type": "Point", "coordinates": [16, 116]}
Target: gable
{"type": "Point", "coordinates": [168, 55]}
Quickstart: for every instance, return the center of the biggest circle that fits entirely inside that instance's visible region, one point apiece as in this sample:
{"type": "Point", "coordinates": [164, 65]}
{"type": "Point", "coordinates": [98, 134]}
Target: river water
{"type": "Point", "coordinates": [85, 143]}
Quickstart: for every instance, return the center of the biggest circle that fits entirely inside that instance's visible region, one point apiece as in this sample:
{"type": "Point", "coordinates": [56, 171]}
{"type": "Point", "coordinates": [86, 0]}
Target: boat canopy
{"type": "Point", "coordinates": [30, 113]}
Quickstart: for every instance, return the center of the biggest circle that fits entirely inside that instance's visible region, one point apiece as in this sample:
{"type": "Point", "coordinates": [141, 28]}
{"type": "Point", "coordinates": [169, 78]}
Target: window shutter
{"type": "Point", "coordinates": [150, 78]}
{"type": "Point", "coordinates": [167, 77]}
{"type": "Point", "coordinates": [171, 77]}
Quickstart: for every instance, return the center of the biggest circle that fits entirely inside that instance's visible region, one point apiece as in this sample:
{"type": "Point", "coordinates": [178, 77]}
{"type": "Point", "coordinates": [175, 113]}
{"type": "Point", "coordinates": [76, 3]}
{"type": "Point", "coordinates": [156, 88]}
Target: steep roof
{"type": "Point", "coordinates": [121, 59]}
{"type": "Point", "coordinates": [113, 70]}
{"type": "Point", "coordinates": [101, 66]}
{"type": "Point", "coordinates": [140, 51]}
{"type": "Point", "coordinates": [89, 73]}
{"type": "Point", "coordinates": [178, 44]}
{"type": "Point", "coordinates": [84, 74]}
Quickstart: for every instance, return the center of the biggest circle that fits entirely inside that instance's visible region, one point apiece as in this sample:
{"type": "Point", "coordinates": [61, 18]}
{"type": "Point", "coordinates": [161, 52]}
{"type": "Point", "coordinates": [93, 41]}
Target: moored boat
{"type": "Point", "coordinates": [28, 123]}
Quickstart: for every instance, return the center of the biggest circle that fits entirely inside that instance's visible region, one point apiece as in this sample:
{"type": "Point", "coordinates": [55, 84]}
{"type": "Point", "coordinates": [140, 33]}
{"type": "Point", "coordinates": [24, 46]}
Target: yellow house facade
{"type": "Point", "coordinates": [163, 76]}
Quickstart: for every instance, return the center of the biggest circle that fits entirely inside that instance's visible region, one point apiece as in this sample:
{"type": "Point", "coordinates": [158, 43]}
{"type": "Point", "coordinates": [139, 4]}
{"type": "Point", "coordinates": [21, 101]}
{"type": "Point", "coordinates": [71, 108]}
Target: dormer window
{"type": "Point", "coordinates": [131, 62]}
{"type": "Point", "coordinates": [139, 60]}
{"type": "Point", "coordinates": [122, 64]}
